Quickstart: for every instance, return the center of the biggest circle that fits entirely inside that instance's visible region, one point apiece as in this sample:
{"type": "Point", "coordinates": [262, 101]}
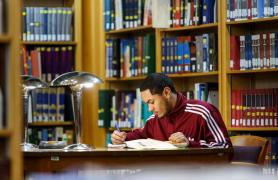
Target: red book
{"type": "Point", "coordinates": [238, 108]}
{"type": "Point", "coordinates": [267, 65]}
{"type": "Point", "coordinates": [35, 63]}
{"type": "Point", "coordinates": [24, 61]}
{"type": "Point", "coordinates": [233, 108]}
{"type": "Point", "coordinates": [267, 109]}
{"type": "Point", "coordinates": [244, 109]}
{"type": "Point", "coordinates": [177, 13]}
{"type": "Point", "coordinates": [234, 53]}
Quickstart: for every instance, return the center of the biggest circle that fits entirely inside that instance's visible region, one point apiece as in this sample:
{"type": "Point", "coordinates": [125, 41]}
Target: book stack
{"type": "Point", "coordinates": [256, 51]}
{"type": "Point", "coordinates": [254, 108]}
{"type": "Point", "coordinates": [251, 9]}
{"type": "Point", "coordinates": [48, 105]}
{"type": "Point", "coordinates": [122, 107]}
{"type": "Point", "coordinates": [189, 54]}
{"type": "Point", "coordinates": [47, 62]}
{"type": "Point", "coordinates": [47, 24]}
{"type": "Point", "coordinates": [130, 57]}
{"type": "Point", "coordinates": [192, 12]}
{"type": "Point", "coordinates": [119, 14]}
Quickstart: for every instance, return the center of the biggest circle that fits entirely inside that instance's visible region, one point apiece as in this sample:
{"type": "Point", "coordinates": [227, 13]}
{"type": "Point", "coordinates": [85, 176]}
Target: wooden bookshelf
{"type": "Point", "coordinates": [212, 73]}
{"type": "Point", "coordinates": [253, 21]}
{"type": "Point", "coordinates": [244, 79]}
{"type": "Point", "coordinates": [187, 28]}
{"type": "Point", "coordinates": [48, 124]}
{"type": "Point", "coordinates": [130, 30]}
{"type": "Point", "coordinates": [10, 132]}
{"type": "Point", "coordinates": [179, 78]}
{"type": "Point", "coordinates": [252, 71]}
{"type": "Point", "coordinates": [253, 129]}
{"type": "Point", "coordinates": [64, 43]}
{"type": "Point", "coordinates": [125, 79]}
{"type": "Point", "coordinates": [75, 42]}
{"type": "Point", "coordinates": [226, 78]}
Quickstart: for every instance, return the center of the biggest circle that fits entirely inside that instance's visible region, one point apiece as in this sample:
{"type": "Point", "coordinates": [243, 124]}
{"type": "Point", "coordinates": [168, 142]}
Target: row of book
{"type": "Point", "coordinates": [257, 51]}
{"type": "Point", "coordinates": [127, 109]}
{"type": "Point", "coordinates": [50, 105]}
{"type": "Point", "coordinates": [47, 24]}
{"type": "Point", "coordinates": [189, 54]}
{"type": "Point", "coordinates": [122, 107]}
{"type": "Point", "coordinates": [35, 135]}
{"type": "Point", "coordinates": [254, 108]}
{"type": "Point", "coordinates": [129, 57]}
{"type": "Point", "coordinates": [47, 62]}
{"type": "Point", "coordinates": [206, 92]}
{"type": "Point", "coordinates": [192, 12]}
{"type": "Point", "coordinates": [119, 14]}
{"type": "Point", "coordinates": [251, 9]}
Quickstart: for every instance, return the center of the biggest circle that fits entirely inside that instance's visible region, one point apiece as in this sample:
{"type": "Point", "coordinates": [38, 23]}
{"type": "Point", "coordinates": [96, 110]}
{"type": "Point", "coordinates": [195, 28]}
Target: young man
{"type": "Point", "coordinates": [175, 119]}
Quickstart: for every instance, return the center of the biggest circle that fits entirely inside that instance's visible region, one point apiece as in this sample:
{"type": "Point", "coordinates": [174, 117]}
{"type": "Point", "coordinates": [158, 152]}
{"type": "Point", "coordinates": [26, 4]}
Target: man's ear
{"type": "Point", "coordinates": [167, 92]}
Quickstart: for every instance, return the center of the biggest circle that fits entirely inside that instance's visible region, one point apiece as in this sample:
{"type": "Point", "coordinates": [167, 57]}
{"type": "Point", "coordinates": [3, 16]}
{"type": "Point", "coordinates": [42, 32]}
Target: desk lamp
{"type": "Point", "coordinates": [77, 81]}
{"type": "Point", "coordinates": [29, 83]}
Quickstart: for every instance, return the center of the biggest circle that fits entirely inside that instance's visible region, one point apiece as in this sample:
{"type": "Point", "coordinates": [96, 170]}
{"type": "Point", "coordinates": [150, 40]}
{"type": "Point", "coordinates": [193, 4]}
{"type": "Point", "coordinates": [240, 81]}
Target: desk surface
{"type": "Point", "coordinates": [125, 152]}
{"type": "Point", "coordinates": [59, 160]}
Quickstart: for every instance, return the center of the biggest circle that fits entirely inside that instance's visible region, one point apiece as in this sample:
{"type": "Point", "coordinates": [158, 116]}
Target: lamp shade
{"type": "Point", "coordinates": [76, 78]}
{"type": "Point", "coordinates": [30, 82]}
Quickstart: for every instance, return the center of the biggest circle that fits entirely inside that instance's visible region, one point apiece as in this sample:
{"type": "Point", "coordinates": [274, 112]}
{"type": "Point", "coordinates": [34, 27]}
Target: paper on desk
{"type": "Point", "coordinates": [149, 144]}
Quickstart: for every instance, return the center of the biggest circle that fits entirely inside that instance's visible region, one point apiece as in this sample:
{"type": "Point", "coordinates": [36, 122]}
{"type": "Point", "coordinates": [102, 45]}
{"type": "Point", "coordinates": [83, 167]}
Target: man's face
{"type": "Point", "coordinates": [158, 104]}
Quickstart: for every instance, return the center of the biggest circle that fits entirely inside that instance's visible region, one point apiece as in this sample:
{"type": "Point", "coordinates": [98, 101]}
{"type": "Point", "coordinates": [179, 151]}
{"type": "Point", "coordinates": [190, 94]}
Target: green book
{"type": "Point", "coordinates": [105, 107]}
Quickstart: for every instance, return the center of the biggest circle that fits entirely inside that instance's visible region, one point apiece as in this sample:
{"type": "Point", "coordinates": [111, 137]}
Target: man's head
{"type": "Point", "coordinates": [158, 91]}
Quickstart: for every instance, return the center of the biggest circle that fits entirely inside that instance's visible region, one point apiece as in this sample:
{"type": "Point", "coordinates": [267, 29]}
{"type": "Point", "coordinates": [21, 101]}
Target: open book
{"type": "Point", "coordinates": [146, 144]}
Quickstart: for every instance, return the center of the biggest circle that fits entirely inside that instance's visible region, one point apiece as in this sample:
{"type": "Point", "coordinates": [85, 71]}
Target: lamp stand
{"type": "Point", "coordinates": [77, 108]}
{"type": "Point", "coordinates": [25, 146]}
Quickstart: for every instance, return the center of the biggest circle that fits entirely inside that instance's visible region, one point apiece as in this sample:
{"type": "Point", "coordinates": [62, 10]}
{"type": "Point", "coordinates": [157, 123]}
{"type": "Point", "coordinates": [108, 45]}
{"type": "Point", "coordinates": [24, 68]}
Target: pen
{"type": "Point", "coordinates": [117, 127]}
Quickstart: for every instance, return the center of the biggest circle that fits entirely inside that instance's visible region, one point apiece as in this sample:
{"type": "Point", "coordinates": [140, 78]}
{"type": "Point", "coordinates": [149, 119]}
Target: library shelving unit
{"type": "Point", "coordinates": [10, 124]}
{"type": "Point", "coordinates": [127, 83]}
{"type": "Point", "coordinates": [57, 27]}
{"type": "Point", "coordinates": [249, 78]}
{"type": "Point", "coordinates": [183, 81]}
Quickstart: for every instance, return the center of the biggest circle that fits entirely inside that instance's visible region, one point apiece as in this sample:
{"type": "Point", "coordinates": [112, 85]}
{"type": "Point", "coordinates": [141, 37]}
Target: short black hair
{"type": "Point", "coordinates": [156, 82]}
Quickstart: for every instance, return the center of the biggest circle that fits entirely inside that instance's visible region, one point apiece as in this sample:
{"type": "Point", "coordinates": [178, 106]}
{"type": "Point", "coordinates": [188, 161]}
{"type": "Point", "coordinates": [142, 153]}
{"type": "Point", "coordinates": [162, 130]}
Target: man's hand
{"type": "Point", "coordinates": [118, 137]}
{"type": "Point", "coordinates": [178, 137]}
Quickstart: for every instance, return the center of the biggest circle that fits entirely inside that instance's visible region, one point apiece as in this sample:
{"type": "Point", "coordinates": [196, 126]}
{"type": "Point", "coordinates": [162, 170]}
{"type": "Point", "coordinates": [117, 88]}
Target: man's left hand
{"type": "Point", "coordinates": [178, 137]}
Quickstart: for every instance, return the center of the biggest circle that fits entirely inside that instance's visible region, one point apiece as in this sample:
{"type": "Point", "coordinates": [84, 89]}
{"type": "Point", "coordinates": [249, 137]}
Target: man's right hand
{"type": "Point", "coordinates": [118, 137]}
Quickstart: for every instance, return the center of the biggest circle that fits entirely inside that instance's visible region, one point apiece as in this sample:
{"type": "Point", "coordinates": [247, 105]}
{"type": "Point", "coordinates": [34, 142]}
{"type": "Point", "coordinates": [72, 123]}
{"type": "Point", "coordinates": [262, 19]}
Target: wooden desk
{"type": "Point", "coordinates": [53, 161]}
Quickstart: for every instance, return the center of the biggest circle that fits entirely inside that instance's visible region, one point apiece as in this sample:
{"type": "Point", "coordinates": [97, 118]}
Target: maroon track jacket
{"type": "Point", "coordinates": [199, 121]}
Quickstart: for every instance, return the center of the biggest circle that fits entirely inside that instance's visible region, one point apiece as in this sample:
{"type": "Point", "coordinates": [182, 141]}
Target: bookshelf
{"type": "Point", "coordinates": [183, 80]}
{"type": "Point", "coordinates": [249, 78]}
{"type": "Point", "coordinates": [10, 131]}
{"type": "Point", "coordinates": [249, 73]}
{"type": "Point", "coordinates": [223, 75]}
{"type": "Point", "coordinates": [52, 30]}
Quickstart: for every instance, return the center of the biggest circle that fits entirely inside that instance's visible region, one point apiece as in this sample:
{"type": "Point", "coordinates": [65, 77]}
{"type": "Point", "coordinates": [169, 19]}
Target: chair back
{"type": "Point", "coordinates": [255, 145]}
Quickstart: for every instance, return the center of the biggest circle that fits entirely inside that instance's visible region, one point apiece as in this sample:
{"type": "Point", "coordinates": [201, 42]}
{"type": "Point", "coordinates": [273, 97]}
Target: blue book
{"type": "Point", "coordinates": [186, 56]}
{"type": "Point", "coordinates": [260, 8]}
